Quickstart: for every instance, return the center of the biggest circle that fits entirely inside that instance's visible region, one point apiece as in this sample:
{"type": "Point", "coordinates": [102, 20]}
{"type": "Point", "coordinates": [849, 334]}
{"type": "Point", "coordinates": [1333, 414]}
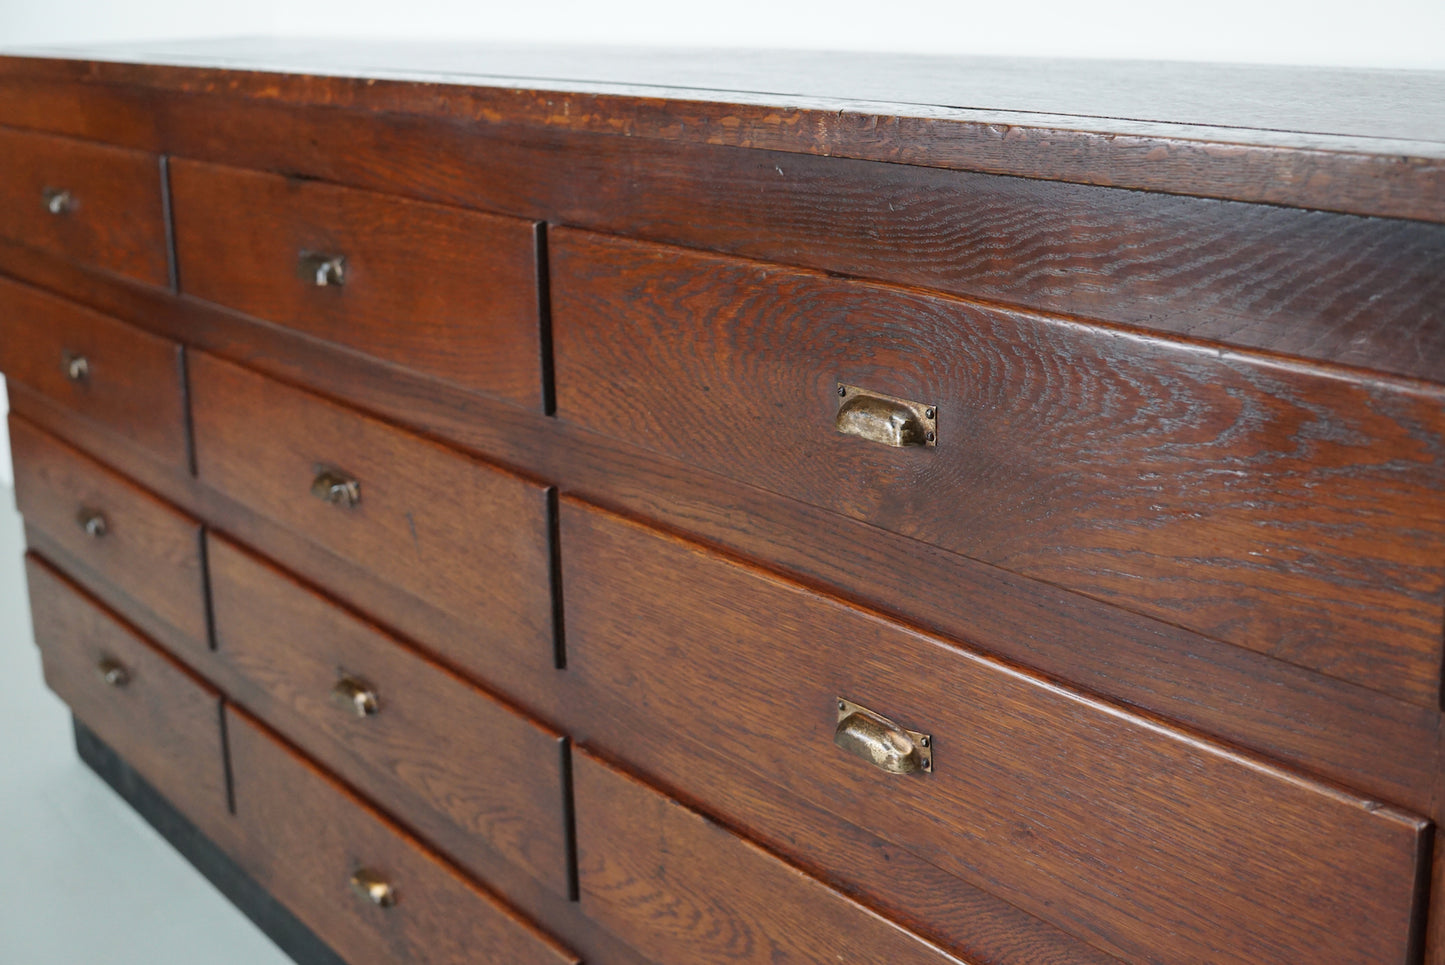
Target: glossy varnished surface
{"type": "Point", "coordinates": [1147, 840]}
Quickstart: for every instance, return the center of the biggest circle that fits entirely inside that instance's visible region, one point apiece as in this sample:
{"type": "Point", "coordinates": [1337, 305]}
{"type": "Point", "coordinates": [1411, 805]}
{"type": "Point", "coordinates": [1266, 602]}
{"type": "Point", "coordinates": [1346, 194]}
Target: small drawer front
{"type": "Point", "coordinates": [369, 891]}
{"type": "Point", "coordinates": [680, 888]}
{"type": "Point", "coordinates": [128, 381]}
{"type": "Point", "coordinates": [137, 553]}
{"type": "Point", "coordinates": [453, 532]}
{"type": "Point", "coordinates": [1280, 507]}
{"type": "Point", "coordinates": [161, 719]}
{"type": "Point", "coordinates": [96, 205]}
{"type": "Point", "coordinates": [476, 779]}
{"type": "Point", "coordinates": [441, 291]}
{"type": "Point", "coordinates": [1153, 844]}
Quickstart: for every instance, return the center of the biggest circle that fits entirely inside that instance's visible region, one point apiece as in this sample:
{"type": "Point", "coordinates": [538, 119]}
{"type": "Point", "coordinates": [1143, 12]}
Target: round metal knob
{"type": "Point", "coordinates": [58, 201]}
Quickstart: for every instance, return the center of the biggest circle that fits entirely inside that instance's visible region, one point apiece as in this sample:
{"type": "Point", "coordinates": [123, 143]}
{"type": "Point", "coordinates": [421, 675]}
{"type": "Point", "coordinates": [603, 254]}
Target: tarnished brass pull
{"type": "Point", "coordinates": [113, 672]}
{"type": "Point", "coordinates": [373, 887]}
{"type": "Point", "coordinates": [337, 488]}
{"type": "Point", "coordinates": [883, 418]}
{"type": "Point", "coordinates": [356, 696]}
{"type": "Point", "coordinates": [76, 366]}
{"type": "Point", "coordinates": [93, 521]}
{"type": "Point", "coordinates": [323, 271]}
{"type": "Point", "coordinates": [58, 200]}
{"type": "Point", "coordinates": [880, 742]}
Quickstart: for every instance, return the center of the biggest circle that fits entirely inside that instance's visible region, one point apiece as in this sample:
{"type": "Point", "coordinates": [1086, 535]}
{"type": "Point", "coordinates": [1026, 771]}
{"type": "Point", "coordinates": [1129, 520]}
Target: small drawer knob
{"type": "Point", "coordinates": [58, 200]}
{"type": "Point", "coordinates": [337, 488]}
{"type": "Point", "coordinates": [356, 696]}
{"type": "Point", "coordinates": [77, 366]}
{"type": "Point", "coordinates": [113, 672]}
{"type": "Point", "coordinates": [373, 887]}
{"type": "Point", "coordinates": [322, 270]}
{"type": "Point", "coordinates": [885, 419]}
{"type": "Point", "coordinates": [93, 522]}
{"type": "Point", "coordinates": [882, 743]}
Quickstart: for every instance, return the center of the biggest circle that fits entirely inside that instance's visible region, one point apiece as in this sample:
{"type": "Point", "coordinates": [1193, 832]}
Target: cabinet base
{"type": "Point", "coordinates": [278, 924]}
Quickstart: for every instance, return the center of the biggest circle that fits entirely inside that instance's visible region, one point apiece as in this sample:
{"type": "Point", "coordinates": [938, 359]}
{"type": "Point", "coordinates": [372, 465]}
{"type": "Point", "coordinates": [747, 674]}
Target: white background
{"type": "Point", "coordinates": [1384, 33]}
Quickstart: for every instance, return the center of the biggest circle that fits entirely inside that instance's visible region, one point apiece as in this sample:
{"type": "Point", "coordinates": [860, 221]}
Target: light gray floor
{"type": "Point", "coordinates": [83, 880]}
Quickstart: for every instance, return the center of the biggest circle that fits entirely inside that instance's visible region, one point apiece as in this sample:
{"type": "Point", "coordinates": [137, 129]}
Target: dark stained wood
{"type": "Point", "coordinates": [1291, 510]}
{"type": "Point", "coordinates": [147, 564]}
{"type": "Point", "coordinates": [445, 292]}
{"type": "Point", "coordinates": [460, 535]}
{"type": "Point", "coordinates": [682, 889]}
{"type": "Point", "coordinates": [165, 721]}
{"type": "Point", "coordinates": [135, 382]}
{"type": "Point", "coordinates": [477, 780]}
{"type": "Point", "coordinates": [1005, 116]}
{"type": "Point", "coordinates": [307, 836]}
{"type": "Point", "coordinates": [1355, 736]}
{"type": "Point", "coordinates": [117, 222]}
{"type": "Point", "coordinates": [1148, 841]}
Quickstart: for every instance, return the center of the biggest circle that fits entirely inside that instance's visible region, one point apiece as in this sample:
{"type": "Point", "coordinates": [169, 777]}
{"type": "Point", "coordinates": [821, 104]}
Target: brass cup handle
{"type": "Point", "coordinates": [76, 366]}
{"type": "Point", "coordinates": [337, 488]}
{"type": "Point", "coordinates": [373, 887]}
{"type": "Point", "coordinates": [322, 270]}
{"type": "Point", "coordinates": [58, 200]}
{"type": "Point", "coordinates": [882, 743]}
{"type": "Point", "coordinates": [113, 672]}
{"type": "Point", "coordinates": [356, 696]}
{"type": "Point", "coordinates": [885, 419]}
{"type": "Point", "coordinates": [93, 521]}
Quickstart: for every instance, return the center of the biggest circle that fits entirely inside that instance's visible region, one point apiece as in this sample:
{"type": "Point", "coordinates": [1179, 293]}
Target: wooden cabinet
{"type": "Point", "coordinates": [655, 527]}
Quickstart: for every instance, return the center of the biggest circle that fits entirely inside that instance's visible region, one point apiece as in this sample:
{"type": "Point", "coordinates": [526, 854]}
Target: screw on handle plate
{"type": "Point", "coordinates": [367, 884]}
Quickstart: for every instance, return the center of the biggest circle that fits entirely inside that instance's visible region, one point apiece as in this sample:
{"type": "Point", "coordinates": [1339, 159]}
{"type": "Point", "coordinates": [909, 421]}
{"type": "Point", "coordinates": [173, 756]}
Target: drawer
{"type": "Point", "coordinates": [476, 779]}
{"type": "Point", "coordinates": [137, 553]}
{"type": "Point", "coordinates": [364, 887]}
{"type": "Point", "coordinates": [1283, 507]}
{"type": "Point", "coordinates": [1153, 844]}
{"type": "Point", "coordinates": [680, 888]}
{"type": "Point", "coordinates": [162, 720]}
{"type": "Point", "coordinates": [462, 536]}
{"type": "Point", "coordinates": [441, 291]}
{"type": "Point", "coordinates": [127, 381]}
{"type": "Point", "coordinates": [89, 203]}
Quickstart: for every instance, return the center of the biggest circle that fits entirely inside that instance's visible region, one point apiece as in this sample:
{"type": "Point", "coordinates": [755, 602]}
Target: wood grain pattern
{"type": "Point", "coordinates": [148, 563]}
{"type": "Point", "coordinates": [1293, 511]}
{"type": "Point", "coordinates": [165, 721]}
{"type": "Point", "coordinates": [117, 223]}
{"type": "Point", "coordinates": [1352, 735]}
{"type": "Point", "coordinates": [1151, 843]}
{"type": "Point", "coordinates": [463, 536]}
{"type": "Point", "coordinates": [445, 292]}
{"type": "Point", "coordinates": [135, 381]}
{"type": "Point", "coordinates": [476, 779]}
{"type": "Point", "coordinates": [307, 836]}
{"type": "Point", "coordinates": [1394, 177]}
{"type": "Point", "coordinates": [684, 890]}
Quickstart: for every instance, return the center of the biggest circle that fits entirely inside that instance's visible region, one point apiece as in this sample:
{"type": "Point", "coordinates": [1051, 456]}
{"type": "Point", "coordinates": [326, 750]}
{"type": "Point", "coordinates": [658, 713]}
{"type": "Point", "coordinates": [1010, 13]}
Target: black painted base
{"type": "Point", "coordinates": [283, 928]}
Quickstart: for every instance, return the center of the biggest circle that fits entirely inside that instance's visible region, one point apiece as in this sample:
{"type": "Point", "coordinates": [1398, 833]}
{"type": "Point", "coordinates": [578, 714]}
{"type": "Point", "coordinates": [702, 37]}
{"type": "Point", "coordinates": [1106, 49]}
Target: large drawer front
{"type": "Point", "coordinates": [1277, 506]}
{"type": "Point", "coordinates": [681, 889]}
{"type": "Point", "coordinates": [140, 555]}
{"type": "Point", "coordinates": [128, 381]}
{"type": "Point", "coordinates": [315, 847]}
{"type": "Point", "coordinates": [1154, 844]}
{"type": "Point", "coordinates": [455, 533]}
{"type": "Point", "coordinates": [438, 290]}
{"type": "Point", "coordinates": [474, 777]}
{"type": "Point", "coordinates": [96, 205]}
{"type": "Point", "coordinates": [165, 722]}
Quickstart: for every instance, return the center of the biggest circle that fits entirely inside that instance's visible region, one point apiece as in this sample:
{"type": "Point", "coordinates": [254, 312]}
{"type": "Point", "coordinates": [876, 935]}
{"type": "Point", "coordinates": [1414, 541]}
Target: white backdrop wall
{"type": "Point", "coordinates": [1383, 33]}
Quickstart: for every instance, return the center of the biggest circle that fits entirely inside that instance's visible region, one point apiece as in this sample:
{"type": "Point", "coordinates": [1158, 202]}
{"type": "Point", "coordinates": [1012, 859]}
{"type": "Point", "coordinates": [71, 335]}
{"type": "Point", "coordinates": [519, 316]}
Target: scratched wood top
{"type": "Point", "coordinates": [1363, 141]}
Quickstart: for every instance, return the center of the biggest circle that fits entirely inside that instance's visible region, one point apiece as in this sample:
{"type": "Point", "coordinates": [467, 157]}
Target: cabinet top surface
{"type": "Point", "coordinates": [1292, 135]}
